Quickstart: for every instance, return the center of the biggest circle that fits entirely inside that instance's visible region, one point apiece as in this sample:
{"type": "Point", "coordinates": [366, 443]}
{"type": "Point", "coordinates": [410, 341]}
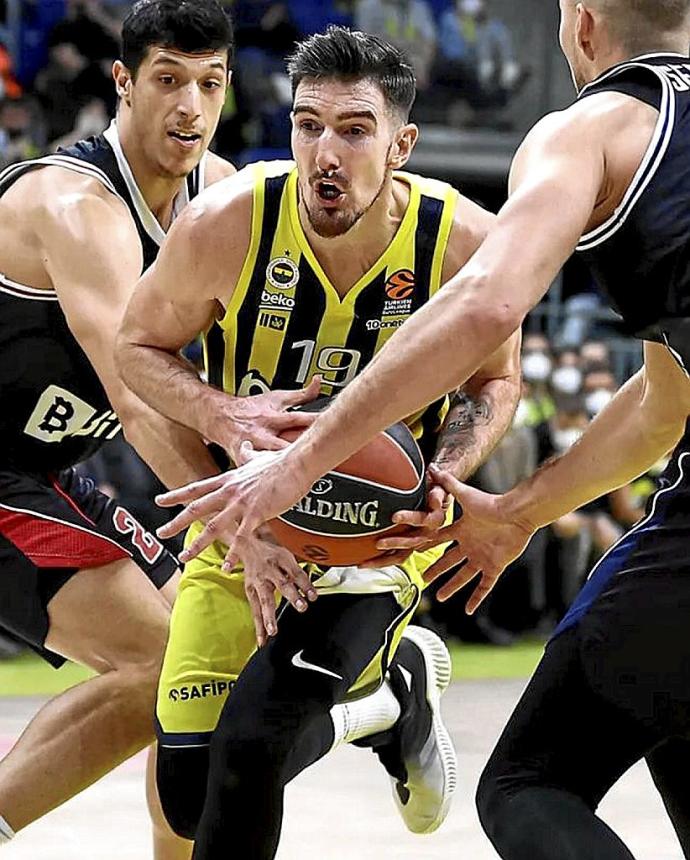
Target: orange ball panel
{"type": "Point", "coordinates": [380, 460]}
{"type": "Point", "coordinates": [326, 550]}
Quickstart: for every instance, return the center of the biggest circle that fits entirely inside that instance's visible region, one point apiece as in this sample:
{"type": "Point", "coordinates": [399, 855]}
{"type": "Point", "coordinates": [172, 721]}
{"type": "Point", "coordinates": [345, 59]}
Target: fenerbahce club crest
{"type": "Point", "coordinates": [282, 273]}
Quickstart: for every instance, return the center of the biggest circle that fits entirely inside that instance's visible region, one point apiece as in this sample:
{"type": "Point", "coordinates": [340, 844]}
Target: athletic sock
{"type": "Point", "coordinates": [6, 832]}
{"type": "Point", "coordinates": [365, 717]}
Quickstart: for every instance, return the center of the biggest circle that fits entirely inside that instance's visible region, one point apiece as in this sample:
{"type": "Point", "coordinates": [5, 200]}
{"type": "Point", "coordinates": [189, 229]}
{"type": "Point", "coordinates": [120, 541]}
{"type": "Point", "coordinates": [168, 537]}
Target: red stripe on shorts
{"type": "Point", "coordinates": [70, 501]}
{"type": "Point", "coordinates": [53, 543]}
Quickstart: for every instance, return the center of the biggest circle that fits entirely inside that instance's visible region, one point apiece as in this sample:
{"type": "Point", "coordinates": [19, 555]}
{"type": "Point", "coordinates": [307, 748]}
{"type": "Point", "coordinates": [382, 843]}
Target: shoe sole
{"type": "Point", "coordinates": [439, 669]}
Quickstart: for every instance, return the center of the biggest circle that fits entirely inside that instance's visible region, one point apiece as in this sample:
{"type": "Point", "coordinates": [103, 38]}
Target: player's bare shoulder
{"type": "Point", "coordinates": [218, 168]}
{"type": "Point", "coordinates": [213, 234]}
{"type": "Point", "coordinates": [611, 125]}
{"type": "Point", "coordinates": [61, 209]}
{"type": "Point", "coordinates": [471, 224]}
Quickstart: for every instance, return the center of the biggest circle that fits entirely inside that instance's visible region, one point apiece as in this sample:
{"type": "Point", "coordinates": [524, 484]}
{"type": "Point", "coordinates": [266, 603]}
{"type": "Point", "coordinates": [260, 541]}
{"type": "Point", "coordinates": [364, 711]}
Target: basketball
{"type": "Point", "coordinates": [348, 510]}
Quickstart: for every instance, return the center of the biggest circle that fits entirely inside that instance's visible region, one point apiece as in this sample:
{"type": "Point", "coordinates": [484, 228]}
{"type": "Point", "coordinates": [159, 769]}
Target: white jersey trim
{"type": "Point", "coordinates": [68, 162]}
{"type": "Point", "coordinates": [21, 291]}
{"type": "Point", "coordinates": [650, 516]}
{"type": "Point", "coordinates": [653, 157]}
{"type": "Point", "coordinates": [146, 216]}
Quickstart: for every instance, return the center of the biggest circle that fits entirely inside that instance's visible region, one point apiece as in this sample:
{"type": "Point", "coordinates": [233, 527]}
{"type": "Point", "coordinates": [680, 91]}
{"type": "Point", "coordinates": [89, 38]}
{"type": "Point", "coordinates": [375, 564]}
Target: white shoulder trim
{"type": "Point", "coordinates": [653, 157]}
{"type": "Point", "coordinates": [21, 291]}
{"type": "Point", "coordinates": [60, 160]}
{"type": "Point", "coordinates": [146, 216]}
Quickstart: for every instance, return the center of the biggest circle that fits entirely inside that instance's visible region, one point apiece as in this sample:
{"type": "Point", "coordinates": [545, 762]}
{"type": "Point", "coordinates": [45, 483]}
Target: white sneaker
{"type": "Point", "coordinates": [418, 753]}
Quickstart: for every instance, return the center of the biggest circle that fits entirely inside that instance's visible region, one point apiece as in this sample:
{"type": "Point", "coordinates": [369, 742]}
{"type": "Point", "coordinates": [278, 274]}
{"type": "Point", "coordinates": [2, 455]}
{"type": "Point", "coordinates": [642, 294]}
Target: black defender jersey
{"type": "Point", "coordinates": [640, 257]}
{"type": "Point", "coordinates": [54, 412]}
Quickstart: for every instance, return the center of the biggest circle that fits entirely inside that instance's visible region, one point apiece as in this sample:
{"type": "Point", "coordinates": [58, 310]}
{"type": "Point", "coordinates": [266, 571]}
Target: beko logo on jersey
{"type": "Point", "coordinates": [282, 272]}
{"type": "Point", "coordinates": [356, 513]}
{"type": "Point", "coordinates": [59, 413]}
{"type": "Point", "coordinates": [199, 691]}
{"type": "Point", "coordinates": [276, 300]}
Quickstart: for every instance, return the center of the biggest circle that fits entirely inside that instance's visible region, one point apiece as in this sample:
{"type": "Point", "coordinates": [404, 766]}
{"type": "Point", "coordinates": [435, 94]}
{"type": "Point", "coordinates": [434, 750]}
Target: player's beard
{"type": "Point", "coordinates": [329, 224]}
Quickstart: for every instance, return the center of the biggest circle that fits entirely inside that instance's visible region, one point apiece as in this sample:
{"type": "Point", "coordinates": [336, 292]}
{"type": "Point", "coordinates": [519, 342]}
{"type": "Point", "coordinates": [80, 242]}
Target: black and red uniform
{"type": "Point", "coordinates": [54, 413]}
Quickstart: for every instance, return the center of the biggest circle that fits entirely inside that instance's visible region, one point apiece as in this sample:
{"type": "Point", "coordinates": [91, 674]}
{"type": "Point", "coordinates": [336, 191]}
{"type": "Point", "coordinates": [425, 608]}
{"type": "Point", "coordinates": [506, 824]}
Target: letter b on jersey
{"type": "Point", "coordinates": [57, 414]}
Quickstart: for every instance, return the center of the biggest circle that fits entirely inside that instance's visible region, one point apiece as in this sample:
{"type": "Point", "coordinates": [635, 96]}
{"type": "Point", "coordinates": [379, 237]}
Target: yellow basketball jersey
{"type": "Point", "coordinates": [286, 322]}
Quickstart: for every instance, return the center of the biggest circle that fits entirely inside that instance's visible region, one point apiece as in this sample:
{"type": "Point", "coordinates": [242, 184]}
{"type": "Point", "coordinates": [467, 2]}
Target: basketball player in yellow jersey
{"type": "Point", "coordinates": [295, 270]}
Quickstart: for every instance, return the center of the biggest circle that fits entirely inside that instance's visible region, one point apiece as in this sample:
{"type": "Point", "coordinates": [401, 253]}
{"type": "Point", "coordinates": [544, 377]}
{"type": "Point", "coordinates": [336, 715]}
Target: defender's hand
{"type": "Point", "coordinates": [262, 418]}
{"type": "Point", "coordinates": [488, 540]}
{"type": "Point", "coordinates": [422, 533]}
{"type": "Point", "coordinates": [269, 567]}
{"type": "Point", "coordinates": [233, 505]}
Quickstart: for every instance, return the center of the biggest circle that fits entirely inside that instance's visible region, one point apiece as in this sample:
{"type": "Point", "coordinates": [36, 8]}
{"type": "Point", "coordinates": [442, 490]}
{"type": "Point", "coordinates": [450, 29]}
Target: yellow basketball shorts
{"type": "Point", "coordinates": [212, 635]}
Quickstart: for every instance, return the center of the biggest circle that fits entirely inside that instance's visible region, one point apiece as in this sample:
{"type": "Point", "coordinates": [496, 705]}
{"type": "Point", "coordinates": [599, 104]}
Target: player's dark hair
{"type": "Point", "coordinates": [191, 26]}
{"type": "Point", "coordinates": [351, 55]}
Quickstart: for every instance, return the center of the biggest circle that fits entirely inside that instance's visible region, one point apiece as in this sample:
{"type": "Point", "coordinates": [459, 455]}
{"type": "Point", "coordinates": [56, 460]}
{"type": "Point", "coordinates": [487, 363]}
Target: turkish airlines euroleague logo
{"type": "Point", "coordinates": [400, 285]}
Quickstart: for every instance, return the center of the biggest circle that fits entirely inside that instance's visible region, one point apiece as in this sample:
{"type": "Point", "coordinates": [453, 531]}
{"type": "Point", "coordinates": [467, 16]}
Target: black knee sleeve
{"type": "Point", "coordinates": [182, 774]}
{"type": "Point", "coordinates": [488, 799]}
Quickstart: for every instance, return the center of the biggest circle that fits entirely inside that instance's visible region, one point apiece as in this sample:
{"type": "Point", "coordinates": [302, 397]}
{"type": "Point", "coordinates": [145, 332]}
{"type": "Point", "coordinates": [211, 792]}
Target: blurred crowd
{"type": "Point", "coordinates": [563, 389]}
{"type": "Point", "coordinates": [59, 89]}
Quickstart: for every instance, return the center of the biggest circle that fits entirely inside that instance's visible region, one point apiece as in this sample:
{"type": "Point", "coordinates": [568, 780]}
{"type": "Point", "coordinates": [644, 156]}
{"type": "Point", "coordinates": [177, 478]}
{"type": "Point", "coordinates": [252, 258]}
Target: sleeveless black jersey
{"type": "Point", "coordinates": [640, 257]}
{"type": "Point", "coordinates": [54, 412]}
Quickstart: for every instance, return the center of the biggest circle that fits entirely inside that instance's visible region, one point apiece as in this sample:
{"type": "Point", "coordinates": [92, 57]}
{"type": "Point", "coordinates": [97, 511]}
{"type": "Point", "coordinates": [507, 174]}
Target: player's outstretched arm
{"type": "Point", "coordinates": [93, 256]}
{"type": "Point", "coordinates": [480, 415]}
{"type": "Point", "coordinates": [641, 424]}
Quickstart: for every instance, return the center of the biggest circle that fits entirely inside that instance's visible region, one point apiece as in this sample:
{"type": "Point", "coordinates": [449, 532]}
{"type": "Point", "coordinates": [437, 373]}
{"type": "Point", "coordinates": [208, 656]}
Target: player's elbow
{"type": "Point", "coordinates": [494, 322]}
{"type": "Point", "coordinates": [130, 419]}
{"type": "Point", "coordinates": [488, 302]}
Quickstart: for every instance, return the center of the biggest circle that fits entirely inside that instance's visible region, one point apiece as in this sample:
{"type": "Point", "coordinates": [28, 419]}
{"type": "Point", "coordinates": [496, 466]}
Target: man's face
{"type": "Point", "coordinates": [569, 44]}
{"type": "Point", "coordinates": [342, 137]}
{"type": "Point", "coordinates": [176, 102]}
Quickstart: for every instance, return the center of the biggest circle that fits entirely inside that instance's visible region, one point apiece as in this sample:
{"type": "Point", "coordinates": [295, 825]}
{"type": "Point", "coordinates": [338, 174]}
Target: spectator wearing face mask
{"type": "Point", "coordinates": [598, 387]}
{"type": "Point", "coordinates": [536, 405]}
{"type": "Point", "coordinates": [566, 378]}
{"type": "Point", "coordinates": [568, 423]}
{"type": "Point", "coordinates": [595, 354]}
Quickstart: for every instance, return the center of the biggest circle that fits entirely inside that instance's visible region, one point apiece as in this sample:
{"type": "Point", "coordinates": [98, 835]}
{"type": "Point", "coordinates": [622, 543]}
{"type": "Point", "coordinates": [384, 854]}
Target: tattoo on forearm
{"type": "Point", "coordinates": [466, 413]}
{"type": "Point", "coordinates": [460, 441]}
